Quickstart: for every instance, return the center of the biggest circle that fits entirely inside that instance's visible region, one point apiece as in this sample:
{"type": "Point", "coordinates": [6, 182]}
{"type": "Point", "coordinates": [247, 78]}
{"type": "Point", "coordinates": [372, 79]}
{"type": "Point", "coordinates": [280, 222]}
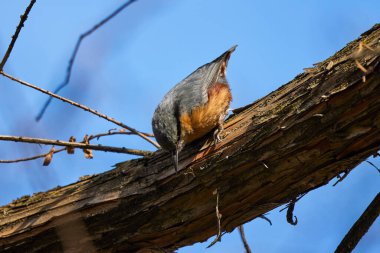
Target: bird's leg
{"type": "Point", "coordinates": [220, 128]}
{"type": "Point", "coordinates": [217, 132]}
{"type": "Point", "coordinates": [175, 153]}
{"type": "Point", "coordinates": [175, 159]}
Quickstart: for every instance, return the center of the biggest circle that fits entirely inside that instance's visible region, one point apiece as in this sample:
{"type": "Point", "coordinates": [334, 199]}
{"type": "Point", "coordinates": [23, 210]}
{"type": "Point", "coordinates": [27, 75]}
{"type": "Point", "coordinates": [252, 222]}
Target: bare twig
{"type": "Point", "coordinates": [70, 150]}
{"type": "Point", "coordinates": [31, 158]}
{"type": "Point", "coordinates": [75, 145]}
{"type": "Point", "coordinates": [218, 217]}
{"type": "Point", "coordinates": [245, 242]}
{"type": "Point", "coordinates": [371, 163]}
{"type": "Point", "coordinates": [265, 218]}
{"type": "Point", "coordinates": [83, 107]}
{"type": "Point", "coordinates": [341, 178]}
{"type": "Point", "coordinates": [23, 18]}
{"type": "Point", "coordinates": [298, 198]}
{"type": "Point", "coordinates": [289, 213]}
{"type": "Point", "coordinates": [361, 226]}
{"type": "Point", "coordinates": [74, 53]}
{"type": "Point", "coordinates": [113, 132]}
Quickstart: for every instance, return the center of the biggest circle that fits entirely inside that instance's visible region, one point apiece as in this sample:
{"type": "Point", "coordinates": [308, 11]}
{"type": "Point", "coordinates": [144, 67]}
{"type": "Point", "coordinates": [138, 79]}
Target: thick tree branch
{"type": "Point", "coordinates": [294, 140]}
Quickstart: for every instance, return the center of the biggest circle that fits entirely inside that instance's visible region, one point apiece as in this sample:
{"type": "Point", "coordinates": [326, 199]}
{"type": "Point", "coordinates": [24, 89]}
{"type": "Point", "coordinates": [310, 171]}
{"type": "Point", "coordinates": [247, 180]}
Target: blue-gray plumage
{"type": "Point", "coordinates": [193, 107]}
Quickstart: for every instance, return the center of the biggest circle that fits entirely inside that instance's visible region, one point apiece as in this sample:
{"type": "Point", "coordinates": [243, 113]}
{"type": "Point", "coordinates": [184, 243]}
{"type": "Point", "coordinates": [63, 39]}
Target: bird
{"type": "Point", "coordinates": [194, 107]}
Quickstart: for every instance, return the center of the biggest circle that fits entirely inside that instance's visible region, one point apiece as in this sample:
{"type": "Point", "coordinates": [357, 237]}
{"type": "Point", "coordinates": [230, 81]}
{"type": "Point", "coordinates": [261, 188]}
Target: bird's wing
{"type": "Point", "coordinates": [193, 90]}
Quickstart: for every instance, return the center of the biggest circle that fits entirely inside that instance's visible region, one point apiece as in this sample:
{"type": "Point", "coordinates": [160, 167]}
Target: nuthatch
{"type": "Point", "coordinates": [194, 107]}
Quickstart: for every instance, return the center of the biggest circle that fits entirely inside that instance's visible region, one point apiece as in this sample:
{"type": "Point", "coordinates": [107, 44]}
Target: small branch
{"type": "Point", "coordinates": [74, 53]}
{"type": "Point", "coordinates": [373, 165]}
{"type": "Point", "coordinates": [75, 145]}
{"type": "Point", "coordinates": [300, 197]}
{"type": "Point", "coordinates": [245, 242]}
{"type": "Point", "coordinates": [70, 150]}
{"type": "Point", "coordinates": [265, 218]}
{"type": "Point", "coordinates": [361, 226]}
{"type": "Point", "coordinates": [32, 157]}
{"type": "Point", "coordinates": [289, 213]}
{"type": "Point", "coordinates": [23, 18]}
{"type": "Point", "coordinates": [341, 178]}
{"type": "Point", "coordinates": [218, 217]}
{"type": "Point", "coordinates": [112, 132]}
{"type": "Point", "coordinates": [83, 107]}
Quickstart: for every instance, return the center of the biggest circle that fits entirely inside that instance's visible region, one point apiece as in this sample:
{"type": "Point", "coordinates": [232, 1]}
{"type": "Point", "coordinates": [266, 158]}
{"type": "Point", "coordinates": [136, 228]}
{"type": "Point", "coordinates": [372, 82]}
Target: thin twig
{"type": "Point", "coordinates": [289, 213]}
{"type": "Point", "coordinates": [74, 53]}
{"type": "Point", "coordinates": [341, 178]}
{"type": "Point", "coordinates": [361, 226]}
{"type": "Point", "coordinates": [96, 136]}
{"type": "Point", "coordinates": [23, 18]}
{"type": "Point", "coordinates": [300, 197]}
{"type": "Point", "coordinates": [111, 132]}
{"type": "Point", "coordinates": [245, 242]}
{"type": "Point", "coordinates": [371, 163]}
{"type": "Point", "coordinates": [218, 217]}
{"type": "Point", "coordinates": [32, 157]}
{"type": "Point", "coordinates": [83, 107]}
{"type": "Point", "coordinates": [262, 216]}
{"type": "Point", "coordinates": [75, 145]}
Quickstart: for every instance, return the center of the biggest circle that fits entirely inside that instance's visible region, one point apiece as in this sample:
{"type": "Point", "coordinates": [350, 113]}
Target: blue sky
{"type": "Point", "coordinates": [126, 67]}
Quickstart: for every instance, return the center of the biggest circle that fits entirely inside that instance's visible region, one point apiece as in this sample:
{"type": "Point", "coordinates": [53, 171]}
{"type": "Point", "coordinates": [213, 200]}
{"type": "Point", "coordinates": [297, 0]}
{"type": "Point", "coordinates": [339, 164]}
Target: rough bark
{"type": "Point", "coordinates": [296, 139]}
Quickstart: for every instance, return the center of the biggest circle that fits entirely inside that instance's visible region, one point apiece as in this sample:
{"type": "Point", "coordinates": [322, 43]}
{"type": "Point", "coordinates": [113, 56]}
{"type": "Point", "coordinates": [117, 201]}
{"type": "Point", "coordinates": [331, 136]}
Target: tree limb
{"type": "Point", "coordinates": [75, 145]}
{"type": "Point", "coordinates": [70, 148]}
{"type": "Point", "coordinates": [244, 240]}
{"type": "Point", "coordinates": [308, 131]}
{"type": "Point", "coordinates": [23, 18]}
{"type": "Point", "coordinates": [361, 226]}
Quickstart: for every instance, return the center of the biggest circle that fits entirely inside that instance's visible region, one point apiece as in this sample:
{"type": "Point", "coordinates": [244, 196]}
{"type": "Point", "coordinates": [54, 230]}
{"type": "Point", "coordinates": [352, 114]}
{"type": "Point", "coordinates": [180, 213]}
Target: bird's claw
{"type": "Point", "coordinates": [217, 137]}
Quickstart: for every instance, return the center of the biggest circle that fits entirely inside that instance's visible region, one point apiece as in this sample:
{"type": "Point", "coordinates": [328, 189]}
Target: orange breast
{"type": "Point", "coordinates": [204, 118]}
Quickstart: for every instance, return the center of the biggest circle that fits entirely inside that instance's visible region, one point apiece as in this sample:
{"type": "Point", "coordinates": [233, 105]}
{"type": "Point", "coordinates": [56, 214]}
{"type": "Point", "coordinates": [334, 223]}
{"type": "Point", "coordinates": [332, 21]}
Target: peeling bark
{"type": "Point", "coordinates": [295, 139]}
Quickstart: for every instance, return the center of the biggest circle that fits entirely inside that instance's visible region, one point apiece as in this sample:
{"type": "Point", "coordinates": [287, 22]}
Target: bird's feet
{"type": "Point", "coordinates": [217, 135]}
{"type": "Point", "coordinates": [218, 131]}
